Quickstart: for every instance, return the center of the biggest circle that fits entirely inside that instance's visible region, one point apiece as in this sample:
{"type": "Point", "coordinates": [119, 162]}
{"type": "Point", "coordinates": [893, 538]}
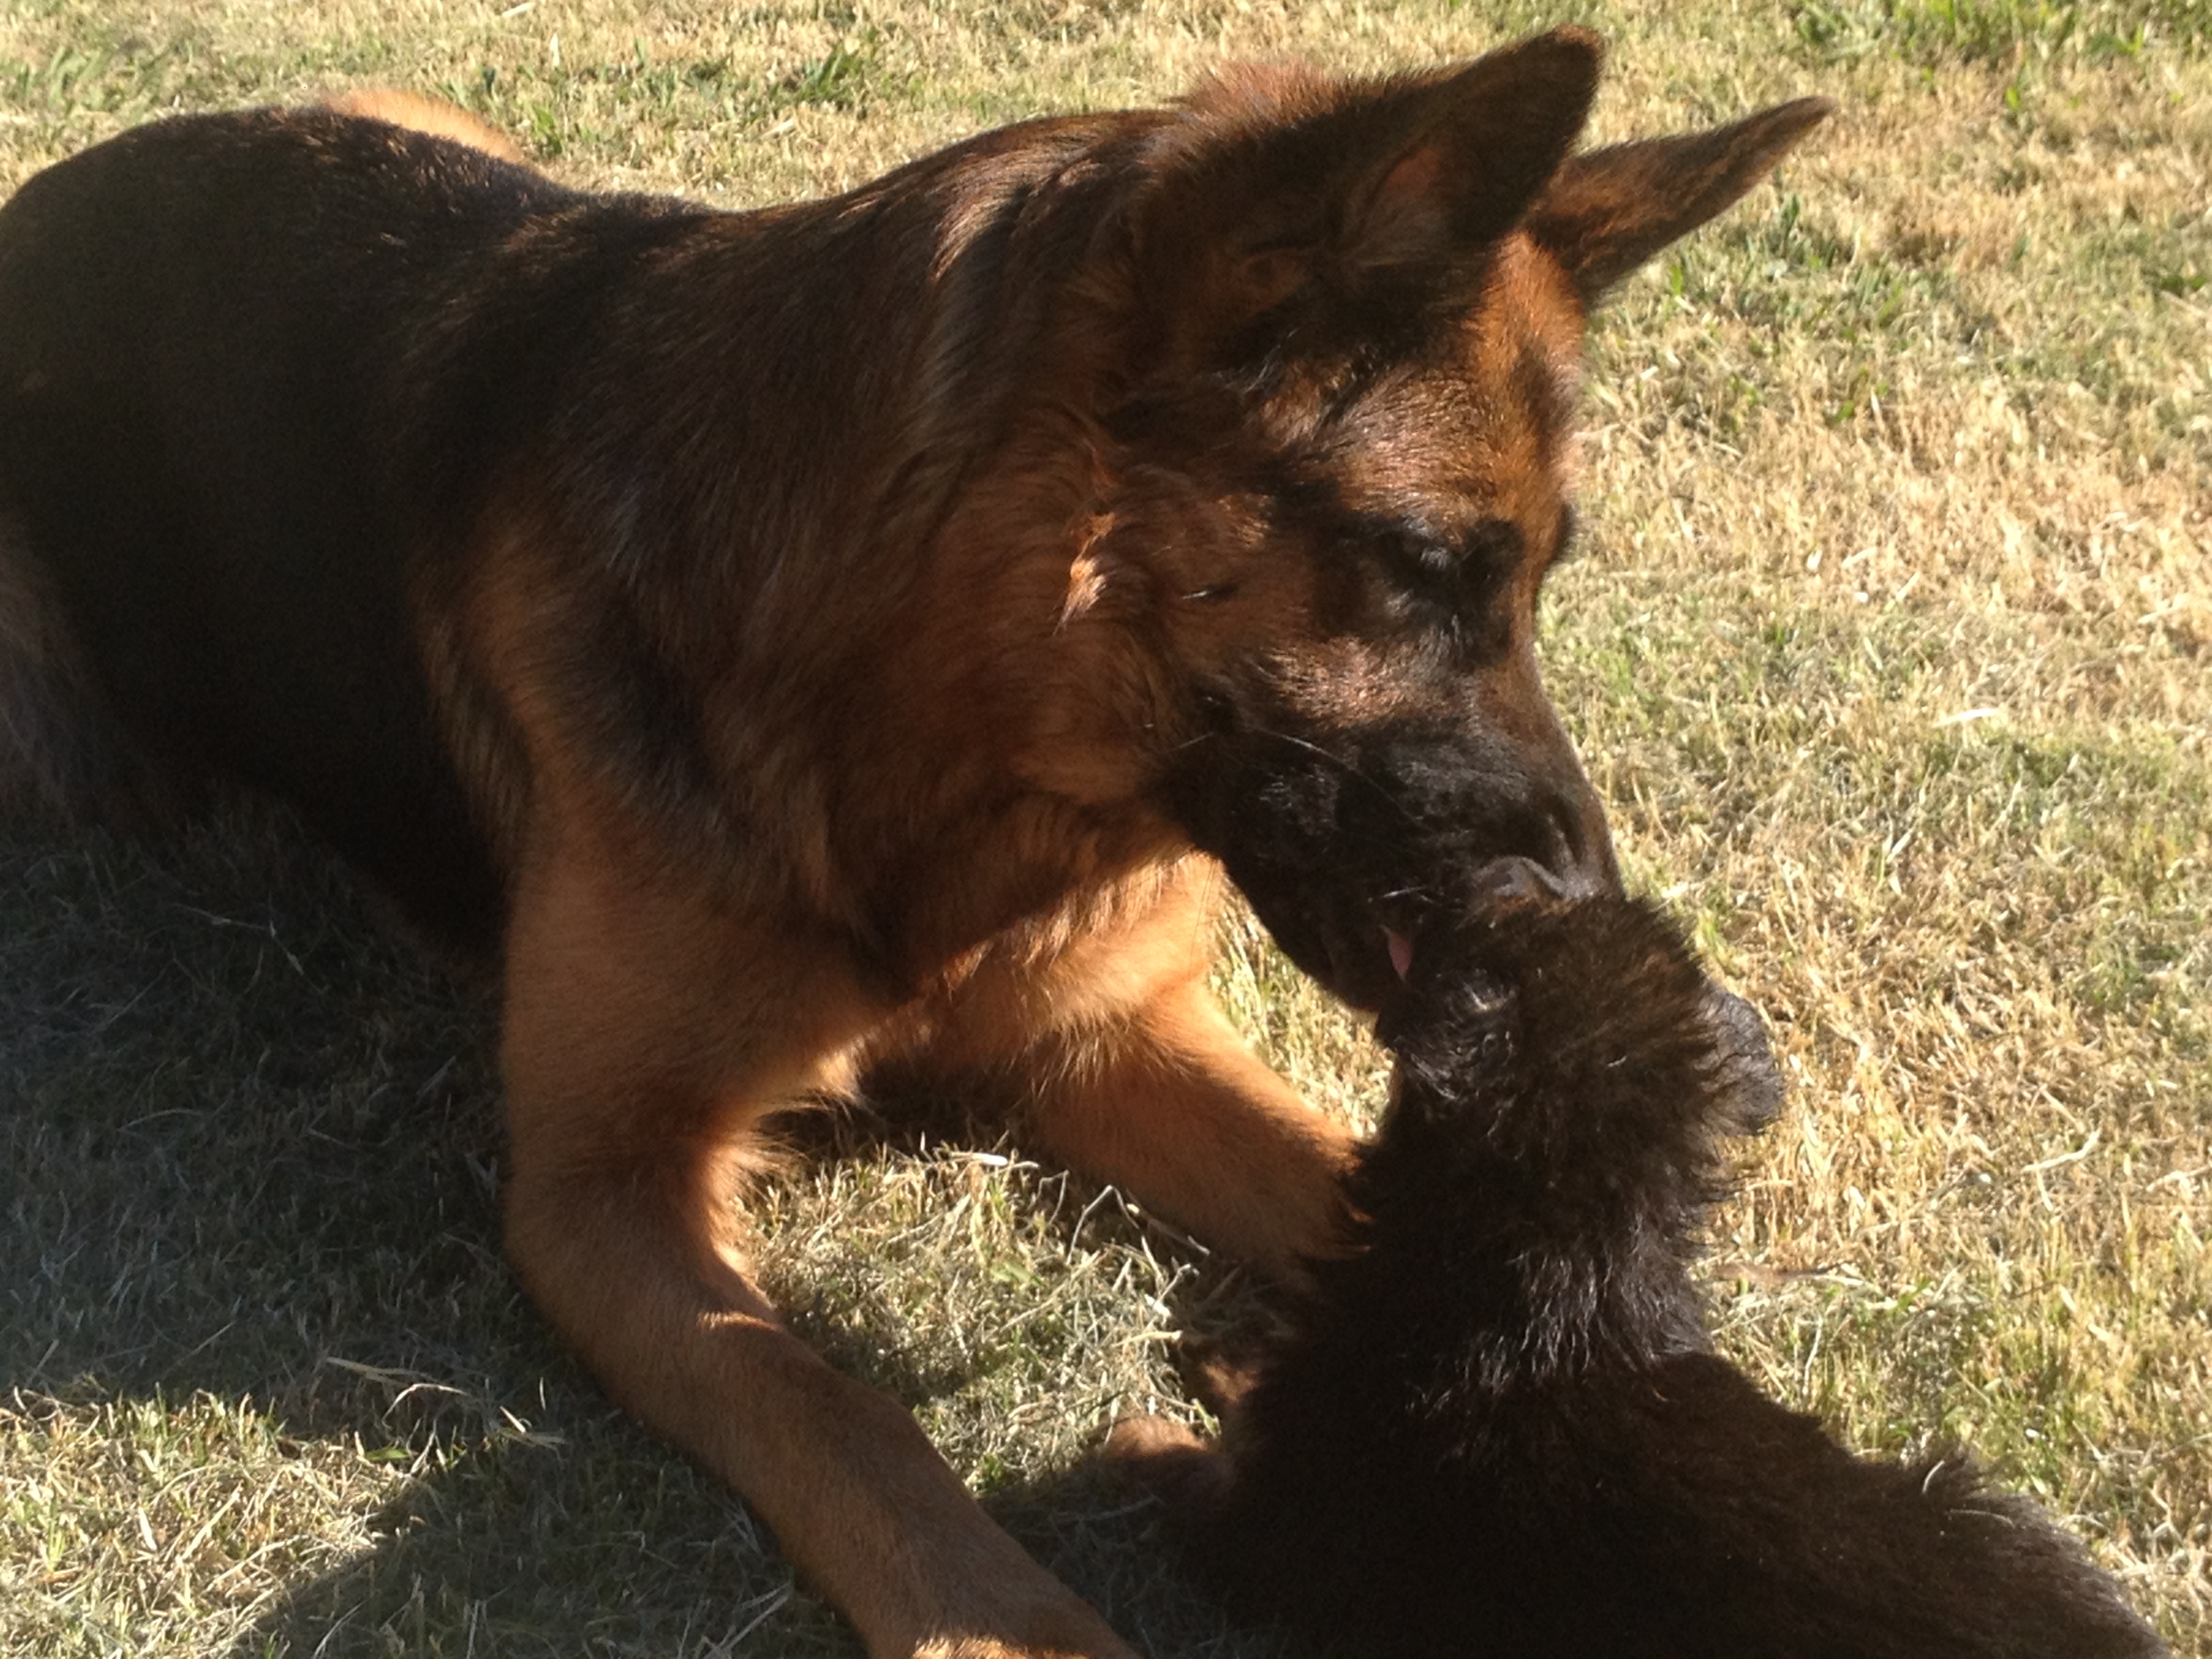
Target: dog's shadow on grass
{"type": "Point", "coordinates": [252, 1149]}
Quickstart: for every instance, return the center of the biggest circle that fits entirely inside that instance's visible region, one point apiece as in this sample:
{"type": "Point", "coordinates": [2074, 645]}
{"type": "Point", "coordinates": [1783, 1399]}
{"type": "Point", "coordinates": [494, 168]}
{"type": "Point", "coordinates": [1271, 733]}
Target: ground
{"type": "Point", "coordinates": [1890, 647]}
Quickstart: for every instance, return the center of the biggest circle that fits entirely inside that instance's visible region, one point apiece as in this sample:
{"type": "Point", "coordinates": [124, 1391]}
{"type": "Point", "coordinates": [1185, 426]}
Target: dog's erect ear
{"type": "Point", "coordinates": [1267, 177]}
{"type": "Point", "coordinates": [1606, 211]}
{"type": "Point", "coordinates": [1470, 152]}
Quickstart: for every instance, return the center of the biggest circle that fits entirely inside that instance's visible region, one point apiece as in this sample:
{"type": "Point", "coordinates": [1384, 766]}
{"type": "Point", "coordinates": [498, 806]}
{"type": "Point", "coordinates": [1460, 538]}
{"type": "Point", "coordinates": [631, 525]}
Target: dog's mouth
{"type": "Point", "coordinates": [1354, 953]}
{"type": "Point", "coordinates": [1348, 847]}
{"type": "Point", "coordinates": [1363, 950]}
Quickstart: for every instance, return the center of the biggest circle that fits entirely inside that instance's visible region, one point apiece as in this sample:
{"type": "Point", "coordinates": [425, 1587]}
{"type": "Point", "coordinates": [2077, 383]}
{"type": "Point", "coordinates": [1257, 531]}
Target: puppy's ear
{"type": "Point", "coordinates": [1267, 180]}
{"type": "Point", "coordinates": [1605, 212]}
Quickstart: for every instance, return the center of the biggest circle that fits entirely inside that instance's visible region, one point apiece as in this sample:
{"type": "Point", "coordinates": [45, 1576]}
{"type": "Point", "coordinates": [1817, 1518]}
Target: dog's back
{"type": "Point", "coordinates": [201, 415]}
{"type": "Point", "coordinates": [232, 418]}
{"type": "Point", "coordinates": [263, 439]}
{"type": "Point", "coordinates": [1499, 1429]}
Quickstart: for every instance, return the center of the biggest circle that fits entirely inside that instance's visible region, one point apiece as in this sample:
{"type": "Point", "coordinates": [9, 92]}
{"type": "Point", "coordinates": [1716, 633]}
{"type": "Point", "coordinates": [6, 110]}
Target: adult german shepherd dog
{"type": "Point", "coordinates": [846, 636]}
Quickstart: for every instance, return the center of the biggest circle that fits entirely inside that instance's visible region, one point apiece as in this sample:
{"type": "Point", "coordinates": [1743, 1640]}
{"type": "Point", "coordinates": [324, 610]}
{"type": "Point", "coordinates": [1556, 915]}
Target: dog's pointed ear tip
{"type": "Point", "coordinates": [1565, 59]}
{"type": "Point", "coordinates": [1569, 55]}
{"type": "Point", "coordinates": [1790, 121]}
{"type": "Point", "coordinates": [1569, 43]}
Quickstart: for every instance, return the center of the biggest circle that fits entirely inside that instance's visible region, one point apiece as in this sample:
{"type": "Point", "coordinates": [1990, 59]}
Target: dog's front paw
{"type": "Point", "coordinates": [1080, 1639]}
{"type": "Point", "coordinates": [1074, 1645]}
{"type": "Point", "coordinates": [1168, 1460]}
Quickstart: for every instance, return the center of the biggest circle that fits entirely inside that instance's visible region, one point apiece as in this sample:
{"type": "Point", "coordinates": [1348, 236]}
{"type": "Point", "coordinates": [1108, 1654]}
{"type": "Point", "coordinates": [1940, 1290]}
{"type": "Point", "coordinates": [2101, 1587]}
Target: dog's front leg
{"type": "Point", "coordinates": [644, 1035]}
{"type": "Point", "coordinates": [1128, 1071]}
{"type": "Point", "coordinates": [1171, 1105]}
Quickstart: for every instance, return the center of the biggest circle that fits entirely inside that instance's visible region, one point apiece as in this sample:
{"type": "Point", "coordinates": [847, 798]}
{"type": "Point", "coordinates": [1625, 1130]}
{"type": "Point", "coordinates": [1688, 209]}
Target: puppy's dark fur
{"type": "Point", "coordinates": [1500, 1428]}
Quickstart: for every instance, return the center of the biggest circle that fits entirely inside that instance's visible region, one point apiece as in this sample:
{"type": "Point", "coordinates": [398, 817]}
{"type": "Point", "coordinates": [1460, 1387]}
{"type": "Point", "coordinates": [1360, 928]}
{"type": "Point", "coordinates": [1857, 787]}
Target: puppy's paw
{"type": "Point", "coordinates": [1750, 1080]}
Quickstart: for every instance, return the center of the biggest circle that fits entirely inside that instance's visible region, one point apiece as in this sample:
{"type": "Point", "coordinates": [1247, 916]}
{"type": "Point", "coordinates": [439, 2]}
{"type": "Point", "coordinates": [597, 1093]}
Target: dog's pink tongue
{"type": "Point", "coordinates": [1401, 951]}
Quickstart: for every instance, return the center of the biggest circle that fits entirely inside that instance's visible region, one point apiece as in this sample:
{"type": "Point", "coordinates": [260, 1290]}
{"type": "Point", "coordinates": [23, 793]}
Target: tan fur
{"type": "Point", "coordinates": [434, 116]}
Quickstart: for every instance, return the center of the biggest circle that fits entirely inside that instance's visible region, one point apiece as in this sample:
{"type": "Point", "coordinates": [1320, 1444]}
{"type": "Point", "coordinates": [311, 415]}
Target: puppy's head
{"type": "Point", "coordinates": [1519, 997]}
{"type": "Point", "coordinates": [1335, 469]}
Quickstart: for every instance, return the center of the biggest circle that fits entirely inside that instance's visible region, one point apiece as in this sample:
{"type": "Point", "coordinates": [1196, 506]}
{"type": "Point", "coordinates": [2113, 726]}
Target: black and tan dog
{"type": "Point", "coordinates": [1498, 1428]}
{"type": "Point", "coordinates": [845, 636]}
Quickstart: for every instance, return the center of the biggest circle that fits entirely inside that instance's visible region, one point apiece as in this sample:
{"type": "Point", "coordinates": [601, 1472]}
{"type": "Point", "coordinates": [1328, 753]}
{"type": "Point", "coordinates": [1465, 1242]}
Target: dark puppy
{"type": "Point", "coordinates": [1499, 1429]}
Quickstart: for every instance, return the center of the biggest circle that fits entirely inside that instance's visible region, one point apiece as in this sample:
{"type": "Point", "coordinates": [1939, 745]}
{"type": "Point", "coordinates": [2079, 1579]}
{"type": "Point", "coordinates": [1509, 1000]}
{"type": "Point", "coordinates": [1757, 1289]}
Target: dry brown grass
{"type": "Point", "coordinates": [1893, 654]}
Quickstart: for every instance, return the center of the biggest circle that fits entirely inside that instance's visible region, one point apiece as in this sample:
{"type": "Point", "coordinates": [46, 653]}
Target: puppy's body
{"type": "Point", "coordinates": [1498, 1429]}
{"type": "Point", "coordinates": [841, 636]}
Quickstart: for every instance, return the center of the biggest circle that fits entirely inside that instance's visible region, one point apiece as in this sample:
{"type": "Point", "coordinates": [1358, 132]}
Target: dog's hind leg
{"type": "Point", "coordinates": [646, 1033]}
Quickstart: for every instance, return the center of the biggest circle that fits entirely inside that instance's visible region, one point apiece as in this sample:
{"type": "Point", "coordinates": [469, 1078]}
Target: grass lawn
{"type": "Point", "coordinates": [1892, 652]}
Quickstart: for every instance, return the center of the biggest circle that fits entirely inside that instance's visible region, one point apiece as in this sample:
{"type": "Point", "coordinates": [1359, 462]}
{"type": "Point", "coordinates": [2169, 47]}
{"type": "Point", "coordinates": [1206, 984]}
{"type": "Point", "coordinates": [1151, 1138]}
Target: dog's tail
{"type": "Point", "coordinates": [433, 116]}
{"type": "Point", "coordinates": [35, 730]}
{"type": "Point", "coordinates": [64, 755]}
{"type": "Point", "coordinates": [55, 754]}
